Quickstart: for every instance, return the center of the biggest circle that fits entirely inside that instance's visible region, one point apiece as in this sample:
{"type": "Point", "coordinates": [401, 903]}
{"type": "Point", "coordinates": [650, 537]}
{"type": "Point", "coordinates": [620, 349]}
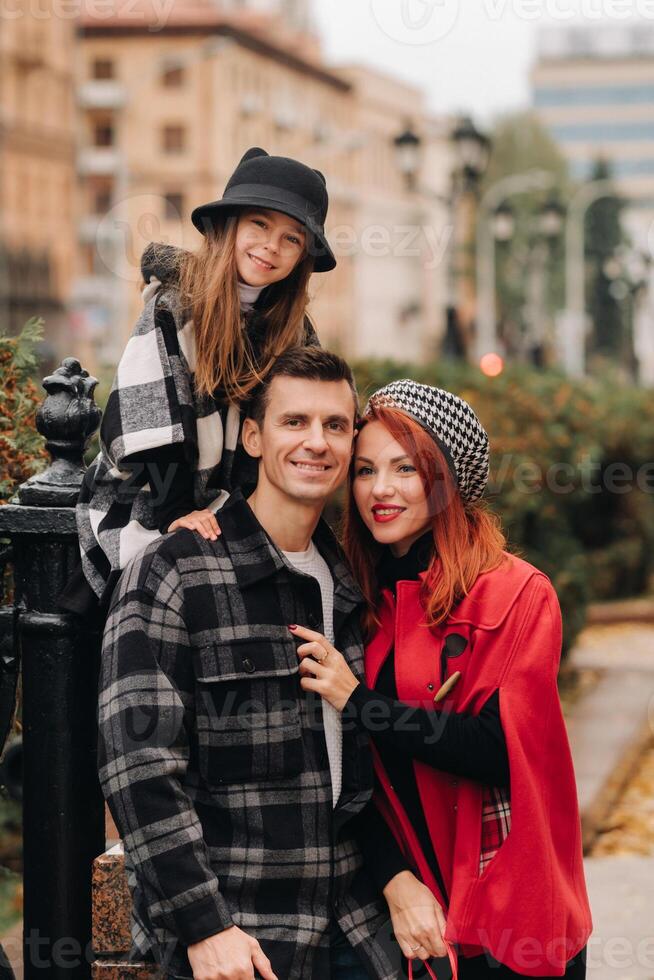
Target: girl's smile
{"type": "Point", "coordinates": [259, 262]}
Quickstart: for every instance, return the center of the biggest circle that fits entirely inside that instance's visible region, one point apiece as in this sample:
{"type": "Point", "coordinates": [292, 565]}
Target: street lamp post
{"type": "Point", "coordinates": [472, 150]}
{"type": "Point", "coordinates": [545, 229]}
{"type": "Point", "coordinates": [495, 196]}
{"type": "Point", "coordinates": [571, 322]}
{"type": "Point", "coordinates": [628, 270]}
{"type": "Point", "coordinates": [407, 153]}
{"type": "Point", "coordinates": [496, 223]}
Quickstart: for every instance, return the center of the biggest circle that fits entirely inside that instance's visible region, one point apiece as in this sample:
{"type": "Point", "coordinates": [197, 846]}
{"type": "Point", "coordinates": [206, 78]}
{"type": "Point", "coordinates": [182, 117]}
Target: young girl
{"type": "Point", "coordinates": [213, 323]}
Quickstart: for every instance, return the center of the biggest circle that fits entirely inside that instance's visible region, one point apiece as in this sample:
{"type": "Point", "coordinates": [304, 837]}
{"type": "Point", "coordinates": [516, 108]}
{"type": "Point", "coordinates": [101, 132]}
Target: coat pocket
{"type": "Point", "coordinates": [247, 710]}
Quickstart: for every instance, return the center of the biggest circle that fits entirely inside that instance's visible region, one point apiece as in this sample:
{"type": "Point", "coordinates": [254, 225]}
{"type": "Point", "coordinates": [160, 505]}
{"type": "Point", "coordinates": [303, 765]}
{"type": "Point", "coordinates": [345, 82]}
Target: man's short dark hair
{"type": "Point", "coordinates": [312, 363]}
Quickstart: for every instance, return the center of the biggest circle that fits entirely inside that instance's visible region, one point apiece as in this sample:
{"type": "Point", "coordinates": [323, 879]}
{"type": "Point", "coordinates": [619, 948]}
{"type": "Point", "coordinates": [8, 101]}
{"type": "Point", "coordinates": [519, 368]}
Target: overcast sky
{"type": "Point", "coordinates": [471, 55]}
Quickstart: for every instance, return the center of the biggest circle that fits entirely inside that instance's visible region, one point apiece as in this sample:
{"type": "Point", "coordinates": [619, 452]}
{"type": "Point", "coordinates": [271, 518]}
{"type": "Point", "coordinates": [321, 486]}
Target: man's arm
{"type": "Point", "coordinates": [145, 689]}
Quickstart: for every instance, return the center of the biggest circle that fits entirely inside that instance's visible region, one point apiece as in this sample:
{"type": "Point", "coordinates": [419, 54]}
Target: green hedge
{"type": "Point", "coordinates": [572, 473]}
{"type": "Point", "coordinates": [22, 451]}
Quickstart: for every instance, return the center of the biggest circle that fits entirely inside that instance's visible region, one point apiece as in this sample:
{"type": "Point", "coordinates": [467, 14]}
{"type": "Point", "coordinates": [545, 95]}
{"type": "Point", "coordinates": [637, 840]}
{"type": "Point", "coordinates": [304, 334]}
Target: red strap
{"type": "Point", "coordinates": [453, 964]}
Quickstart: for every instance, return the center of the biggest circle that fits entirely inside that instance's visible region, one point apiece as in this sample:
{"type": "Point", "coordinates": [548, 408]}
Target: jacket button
{"type": "Point", "coordinates": [430, 687]}
{"type": "Point", "coordinates": [248, 665]}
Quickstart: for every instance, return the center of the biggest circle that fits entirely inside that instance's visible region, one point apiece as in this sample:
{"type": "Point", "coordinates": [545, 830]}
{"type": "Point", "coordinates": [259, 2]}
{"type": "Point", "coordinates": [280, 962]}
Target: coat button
{"type": "Point", "coordinates": [248, 665]}
{"type": "Point", "coordinates": [430, 687]}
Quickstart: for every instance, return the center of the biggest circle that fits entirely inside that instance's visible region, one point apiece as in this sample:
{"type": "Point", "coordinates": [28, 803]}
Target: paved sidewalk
{"type": "Point", "coordinates": [608, 729]}
{"type": "Point", "coordinates": [611, 724]}
{"type": "Point", "coordinates": [621, 891]}
{"type": "Point", "coordinates": [615, 646]}
{"type": "Point", "coordinates": [640, 610]}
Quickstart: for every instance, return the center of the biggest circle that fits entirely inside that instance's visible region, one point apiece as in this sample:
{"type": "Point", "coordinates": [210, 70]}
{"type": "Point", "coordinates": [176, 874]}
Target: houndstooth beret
{"type": "Point", "coordinates": [450, 421]}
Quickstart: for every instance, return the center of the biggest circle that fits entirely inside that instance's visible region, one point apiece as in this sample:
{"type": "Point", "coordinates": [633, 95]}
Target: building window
{"type": "Point", "coordinates": [173, 76]}
{"type": "Point", "coordinates": [593, 95]}
{"type": "Point", "coordinates": [173, 139]}
{"type": "Point", "coordinates": [102, 200]}
{"type": "Point", "coordinates": [103, 133]}
{"type": "Point", "coordinates": [610, 131]}
{"type": "Point", "coordinates": [173, 206]}
{"type": "Point", "coordinates": [103, 68]}
{"type": "Point", "coordinates": [87, 259]}
{"type": "Point", "coordinates": [100, 196]}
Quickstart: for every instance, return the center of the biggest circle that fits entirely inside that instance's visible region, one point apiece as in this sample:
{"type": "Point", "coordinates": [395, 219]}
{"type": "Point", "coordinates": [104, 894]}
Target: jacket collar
{"type": "Point", "coordinates": [493, 594]}
{"type": "Point", "coordinates": [255, 556]}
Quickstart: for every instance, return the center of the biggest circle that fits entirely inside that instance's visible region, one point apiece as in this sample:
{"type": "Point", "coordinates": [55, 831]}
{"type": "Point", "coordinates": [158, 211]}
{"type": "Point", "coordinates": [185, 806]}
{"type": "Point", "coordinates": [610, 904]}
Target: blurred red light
{"type": "Point", "coordinates": [491, 365]}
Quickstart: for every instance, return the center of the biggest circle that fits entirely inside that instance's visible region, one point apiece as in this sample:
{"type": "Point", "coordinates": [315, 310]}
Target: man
{"type": "Point", "coordinates": [233, 792]}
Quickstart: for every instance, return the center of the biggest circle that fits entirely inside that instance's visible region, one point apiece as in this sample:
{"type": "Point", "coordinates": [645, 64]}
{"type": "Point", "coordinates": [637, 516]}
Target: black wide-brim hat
{"type": "Point", "coordinates": [280, 184]}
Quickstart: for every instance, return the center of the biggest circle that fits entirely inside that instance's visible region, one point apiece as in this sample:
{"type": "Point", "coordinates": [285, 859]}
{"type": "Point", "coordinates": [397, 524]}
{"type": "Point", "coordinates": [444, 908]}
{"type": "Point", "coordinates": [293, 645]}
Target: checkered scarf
{"type": "Point", "coordinates": [153, 404]}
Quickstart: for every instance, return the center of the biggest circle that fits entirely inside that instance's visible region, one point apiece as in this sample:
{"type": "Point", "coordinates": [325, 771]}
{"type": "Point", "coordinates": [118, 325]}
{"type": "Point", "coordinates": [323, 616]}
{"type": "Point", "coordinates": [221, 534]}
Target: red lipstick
{"type": "Point", "coordinates": [382, 514]}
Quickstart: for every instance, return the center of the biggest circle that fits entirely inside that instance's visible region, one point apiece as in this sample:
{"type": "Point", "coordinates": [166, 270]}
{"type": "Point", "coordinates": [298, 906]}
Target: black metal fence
{"type": "Point", "coordinates": [58, 660]}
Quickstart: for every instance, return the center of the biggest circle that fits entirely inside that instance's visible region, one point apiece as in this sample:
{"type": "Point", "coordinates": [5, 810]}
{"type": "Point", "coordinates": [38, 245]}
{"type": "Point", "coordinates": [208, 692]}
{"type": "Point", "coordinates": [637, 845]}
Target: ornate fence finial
{"type": "Point", "coordinates": [67, 418]}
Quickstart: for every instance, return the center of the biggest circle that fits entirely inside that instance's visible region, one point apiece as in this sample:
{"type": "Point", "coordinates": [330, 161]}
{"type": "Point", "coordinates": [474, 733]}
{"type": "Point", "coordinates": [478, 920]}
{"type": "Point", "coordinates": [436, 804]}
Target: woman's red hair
{"type": "Point", "coordinates": [468, 539]}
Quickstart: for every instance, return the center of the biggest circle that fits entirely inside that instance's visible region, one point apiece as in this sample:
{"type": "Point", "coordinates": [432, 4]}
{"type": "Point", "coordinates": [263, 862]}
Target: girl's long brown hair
{"type": "Point", "coordinates": [468, 539]}
{"type": "Point", "coordinates": [208, 282]}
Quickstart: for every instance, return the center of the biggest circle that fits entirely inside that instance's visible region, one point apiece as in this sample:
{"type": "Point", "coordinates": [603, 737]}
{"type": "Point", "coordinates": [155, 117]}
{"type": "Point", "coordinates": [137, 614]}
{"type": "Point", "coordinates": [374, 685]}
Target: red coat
{"type": "Point", "coordinates": [529, 907]}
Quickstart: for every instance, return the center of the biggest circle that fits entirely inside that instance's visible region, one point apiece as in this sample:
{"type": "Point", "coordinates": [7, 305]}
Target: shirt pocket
{"type": "Point", "coordinates": [247, 710]}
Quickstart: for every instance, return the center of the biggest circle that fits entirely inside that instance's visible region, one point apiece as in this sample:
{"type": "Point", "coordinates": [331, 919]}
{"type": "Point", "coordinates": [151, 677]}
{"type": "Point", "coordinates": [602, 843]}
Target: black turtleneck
{"type": "Point", "coordinates": [471, 746]}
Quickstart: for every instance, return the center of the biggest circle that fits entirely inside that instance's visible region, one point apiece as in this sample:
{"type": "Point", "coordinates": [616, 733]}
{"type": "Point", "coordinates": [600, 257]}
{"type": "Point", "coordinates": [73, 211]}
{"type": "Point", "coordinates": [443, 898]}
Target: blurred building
{"type": "Point", "coordinates": [594, 90]}
{"type": "Point", "coordinates": [37, 165]}
{"type": "Point", "coordinates": [403, 236]}
{"type": "Point", "coordinates": [167, 107]}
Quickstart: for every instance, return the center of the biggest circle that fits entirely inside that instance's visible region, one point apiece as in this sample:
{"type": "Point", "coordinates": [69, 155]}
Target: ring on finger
{"type": "Point", "coordinates": [413, 948]}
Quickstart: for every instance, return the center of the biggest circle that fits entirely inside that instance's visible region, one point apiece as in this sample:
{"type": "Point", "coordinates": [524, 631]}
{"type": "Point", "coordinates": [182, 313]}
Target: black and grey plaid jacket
{"type": "Point", "coordinates": [153, 405]}
{"type": "Point", "coordinates": [213, 760]}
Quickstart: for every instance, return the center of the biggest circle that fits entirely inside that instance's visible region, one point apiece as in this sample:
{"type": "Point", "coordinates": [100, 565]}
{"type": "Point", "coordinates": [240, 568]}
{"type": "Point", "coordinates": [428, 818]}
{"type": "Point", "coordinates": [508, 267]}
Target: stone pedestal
{"type": "Point", "coordinates": [111, 921]}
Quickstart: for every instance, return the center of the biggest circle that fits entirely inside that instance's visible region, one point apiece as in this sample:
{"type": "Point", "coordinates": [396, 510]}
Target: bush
{"type": "Point", "coordinates": [569, 473]}
{"type": "Point", "coordinates": [22, 448]}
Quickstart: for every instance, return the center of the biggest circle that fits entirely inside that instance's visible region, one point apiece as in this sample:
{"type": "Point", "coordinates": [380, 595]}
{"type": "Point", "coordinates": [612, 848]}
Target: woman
{"type": "Point", "coordinates": [213, 323]}
{"type": "Point", "coordinates": [480, 824]}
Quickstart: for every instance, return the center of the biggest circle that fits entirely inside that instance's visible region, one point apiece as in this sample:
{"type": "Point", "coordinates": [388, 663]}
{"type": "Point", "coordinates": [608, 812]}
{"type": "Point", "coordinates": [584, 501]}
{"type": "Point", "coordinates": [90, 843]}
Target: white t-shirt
{"type": "Point", "coordinates": [312, 563]}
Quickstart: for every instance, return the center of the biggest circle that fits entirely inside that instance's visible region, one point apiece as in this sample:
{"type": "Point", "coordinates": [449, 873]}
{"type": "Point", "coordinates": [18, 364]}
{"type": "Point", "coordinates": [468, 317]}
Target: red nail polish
{"type": "Point", "coordinates": [293, 627]}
